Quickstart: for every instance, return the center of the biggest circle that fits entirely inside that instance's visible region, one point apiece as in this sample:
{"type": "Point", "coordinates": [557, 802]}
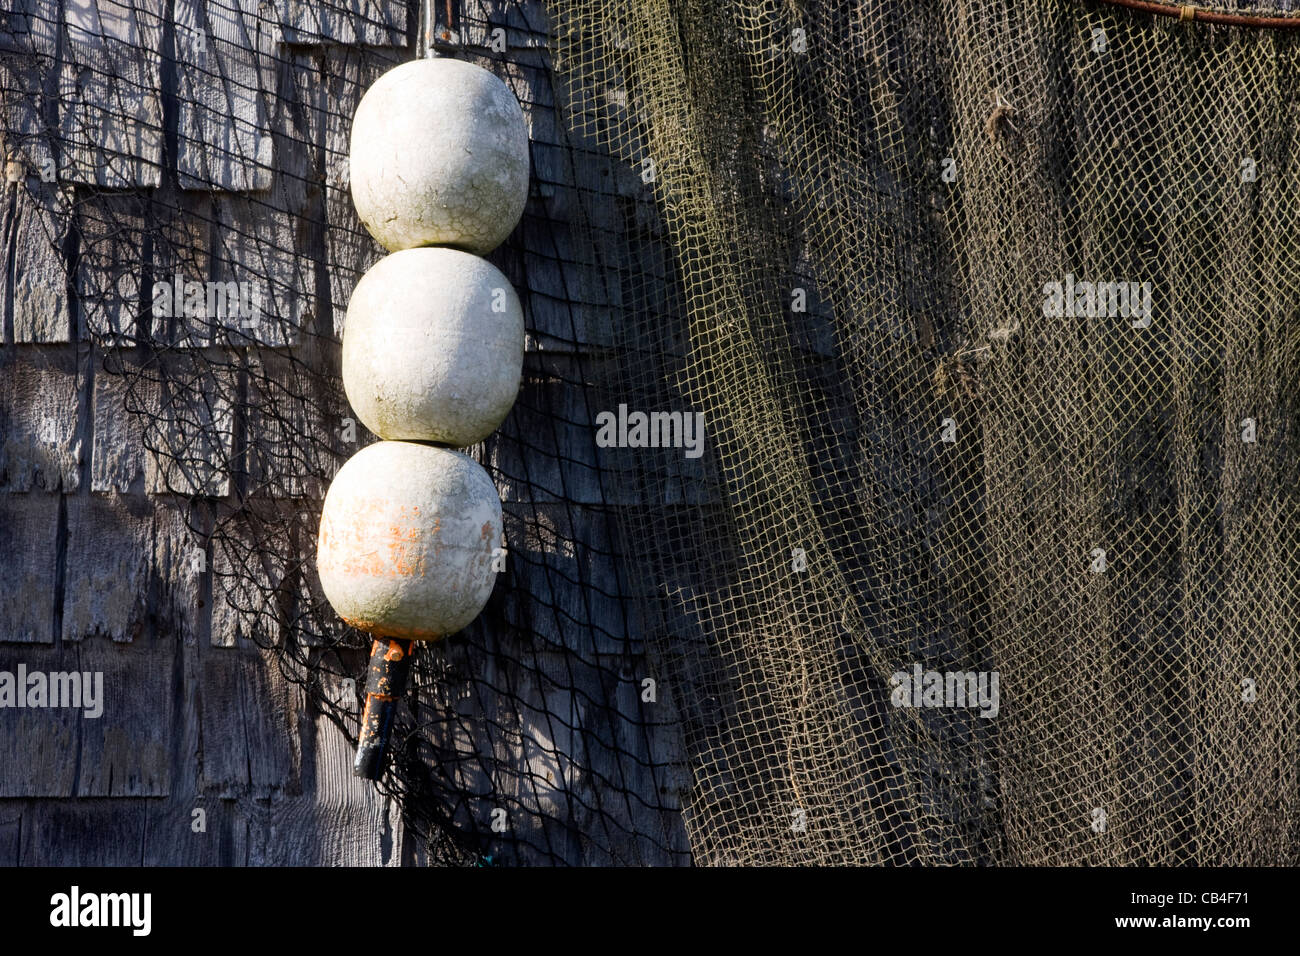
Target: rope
{"type": "Point", "coordinates": [1188, 13]}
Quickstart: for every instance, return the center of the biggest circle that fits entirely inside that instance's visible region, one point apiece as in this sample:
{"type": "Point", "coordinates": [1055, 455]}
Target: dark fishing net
{"type": "Point", "coordinates": [830, 228]}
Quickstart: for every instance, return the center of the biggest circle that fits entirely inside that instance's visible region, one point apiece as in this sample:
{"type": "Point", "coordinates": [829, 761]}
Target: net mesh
{"type": "Point", "coordinates": [831, 228]}
{"type": "Point", "coordinates": [867, 203]}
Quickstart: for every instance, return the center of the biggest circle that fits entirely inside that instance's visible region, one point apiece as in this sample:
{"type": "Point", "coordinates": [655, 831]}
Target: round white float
{"type": "Point", "coordinates": [439, 156]}
{"type": "Point", "coordinates": [406, 540]}
{"type": "Point", "coordinates": [433, 347]}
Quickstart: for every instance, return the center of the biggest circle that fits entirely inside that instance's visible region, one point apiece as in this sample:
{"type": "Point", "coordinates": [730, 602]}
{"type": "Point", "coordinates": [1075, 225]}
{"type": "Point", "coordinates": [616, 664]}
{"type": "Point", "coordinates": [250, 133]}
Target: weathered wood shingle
{"type": "Point", "coordinates": [256, 242]}
{"type": "Point", "coordinates": [331, 86]}
{"type": "Point", "coordinates": [110, 105]}
{"type": "Point", "coordinates": [344, 22]}
{"type": "Point", "coordinates": [33, 276]}
{"type": "Point", "coordinates": [109, 282]}
{"type": "Point", "coordinates": [227, 88]}
{"type": "Point", "coordinates": [29, 533]}
{"type": "Point", "coordinates": [38, 745]}
{"type": "Point", "coordinates": [564, 583]}
{"type": "Point", "coordinates": [126, 752]}
{"type": "Point", "coordinates": [117, 460]}
{"type": "Point", "coordinates": [109, 545]}
{"type": "Point", "coordinates": [191, 431]}
{"type": "Point", "coordinates": [40, 442]}
{"type": "Point", "coordinates": [264, 758]}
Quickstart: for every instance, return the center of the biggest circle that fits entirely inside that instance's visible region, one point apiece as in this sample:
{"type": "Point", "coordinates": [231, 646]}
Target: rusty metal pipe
{"type": "Point", "coordinates": [390, 664]}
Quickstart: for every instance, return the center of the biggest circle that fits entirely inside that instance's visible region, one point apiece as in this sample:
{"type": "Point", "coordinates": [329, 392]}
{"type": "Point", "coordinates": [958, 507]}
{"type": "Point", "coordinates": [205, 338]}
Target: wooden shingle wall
{"type": "Point", "coordinates": [204, 753]}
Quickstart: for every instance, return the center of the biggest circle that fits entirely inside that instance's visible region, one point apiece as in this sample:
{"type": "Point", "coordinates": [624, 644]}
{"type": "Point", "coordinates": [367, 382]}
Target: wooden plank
{"type": "Point", "coordinates": [190, 434]}
{"type": "Point", "coordinates": [555, 286]}
{"type": "Point", "coordinates": [291, 831]}
{"type": "Point", "coordinates": [116, 743]}
{"type": "Point", "coordinates": [38, 745]}
{"type": "Point", "coordinates": [659, 723]}
{"type": "Point", "coordinates": [117, 460]}
{"type": "Point", "coordinates": [33, 281]}
{"type": "Point", "coordinates": [83, 832]}
{"type": "Point", "coordinates": [565, 290]}
{"type": "Point", "coordinates": [248, 729]}
{"type": "Point", "coordinates": [159, 832]}
{"type": "Point", "coordinates": [543, 767]}
{"type": "Point", "coordinates": [344, 22]}
{"type": "Point", "coordinates": [525, 22]}
{"type": "Point", "coordinates": [332, 86]}
{"type": "Point", "coordinates": [174, 836]}
{"type": "Point", "coordinates": [107, 567]}
{"type": "Point", "coordinates": [226, 79]}
{"type": "Point", "coordinates": [40, 443]}
{"type": "Point", "coordinates": [338, 820]}
{"type": "Point", "coordinates": [127, 751]}
{"type": "Point", "coordinates": [561, 744]}
{"type": "Point", "coordinates": [264, 587]}
{"type": "Point", "coordinates": [37, 278]}
{"type": "Point", "coordinates": [628, 808]}
{"type": "Point", "coordinates": [249, 579]}
{"type": "Point", "coordinates": [477, 750]}
{"type": "Point", "coordinates": [545, 450]}
{"type": "Point", "coordinates": [368, 831]}
{"type": "Point", "coordinates": [179, 575]}
{"type": "Point", "coordinates": [25, 144]}
{"type": "Point", "coordinates": [182, 307]}
{"type": "Point", "coordinates": [110, 109]}
{"type": "Point", "coordinates": [321, 625]}
{"type": "Point", "coordinates": [255, 241]}
{"type": "Point", "coordinates": [31, 28]}
{"type": "Point", "coordinates": [109, 283]}
{"type": "Point", "coordinates": [240, 613]}
{"type": "Point", "coordinates": [303, 833]}
{"type": "Point", "coordinates": [29, 534]}
{"type": "Point", "coordinates": [11, 829]}
{"type": "Point", "coordinates": [285, 456]}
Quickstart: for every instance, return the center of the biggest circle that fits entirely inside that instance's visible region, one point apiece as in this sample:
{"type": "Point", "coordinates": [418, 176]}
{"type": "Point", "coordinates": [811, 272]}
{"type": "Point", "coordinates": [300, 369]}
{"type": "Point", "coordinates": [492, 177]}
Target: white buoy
{"type": "Point", "coordinates": [439, 156]}
{"type": "Point", "coordinates": [433, 347]}
{"type": "Point", "coordinates": [406, 540]}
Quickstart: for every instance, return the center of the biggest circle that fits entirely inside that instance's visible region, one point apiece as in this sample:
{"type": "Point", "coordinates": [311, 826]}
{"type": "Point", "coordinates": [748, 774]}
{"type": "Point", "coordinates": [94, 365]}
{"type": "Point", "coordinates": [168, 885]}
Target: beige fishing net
{"type": "Point", "coordinates": [993, 314]}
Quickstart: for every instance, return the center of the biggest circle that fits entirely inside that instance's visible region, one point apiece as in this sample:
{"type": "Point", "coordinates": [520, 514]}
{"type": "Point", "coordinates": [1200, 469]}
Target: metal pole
{"type": "Point", "coordinates": [424, 43]}
{"type": "Point", "coordinates": [431, 35]}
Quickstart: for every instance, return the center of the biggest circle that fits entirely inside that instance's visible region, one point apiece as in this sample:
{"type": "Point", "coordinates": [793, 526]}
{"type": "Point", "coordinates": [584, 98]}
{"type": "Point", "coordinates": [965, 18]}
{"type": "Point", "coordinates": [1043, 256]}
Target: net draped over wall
{"type": "Point", "coordinates": [833, 229]}
{"type": "Point", "coordinates": [869, 204]}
